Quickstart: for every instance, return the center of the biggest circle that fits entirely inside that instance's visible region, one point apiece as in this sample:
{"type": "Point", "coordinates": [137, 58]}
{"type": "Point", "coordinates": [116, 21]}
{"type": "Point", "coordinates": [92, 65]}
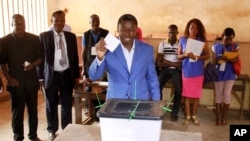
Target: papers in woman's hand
{"type": "Point", "coordinates": [229, 56]}
{"type": "Point", "coordinates": [195, 47]}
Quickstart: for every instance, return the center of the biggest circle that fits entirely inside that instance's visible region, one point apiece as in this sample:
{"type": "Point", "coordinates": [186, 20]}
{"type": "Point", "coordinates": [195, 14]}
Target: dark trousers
{"type": "Point", "coordinates": [174, 74]}
{"type": "Point", "coordinates": [21, 96]}
{"type": "Point", "coordinates": [62, 90]}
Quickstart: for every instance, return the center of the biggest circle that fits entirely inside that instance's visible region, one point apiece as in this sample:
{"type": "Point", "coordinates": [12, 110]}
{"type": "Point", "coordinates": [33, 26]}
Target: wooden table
{"type": "Point", "coordinates": [79, 93]}
{"type": "Point", "coordinates": [243, 78]}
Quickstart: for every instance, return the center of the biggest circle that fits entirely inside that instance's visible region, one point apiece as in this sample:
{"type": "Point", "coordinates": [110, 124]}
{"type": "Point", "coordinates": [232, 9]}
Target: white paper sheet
{"type": "Point", "coordinates": [222, 67]}
{"type": "Point", "coordinates": [111, 42]}
{"type": "Point", "coordinates": [195, 47]}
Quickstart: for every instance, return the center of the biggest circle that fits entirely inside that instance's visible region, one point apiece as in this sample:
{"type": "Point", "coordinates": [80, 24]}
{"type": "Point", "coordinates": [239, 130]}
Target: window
{"type": "Point", "coordinates": [34, 12]}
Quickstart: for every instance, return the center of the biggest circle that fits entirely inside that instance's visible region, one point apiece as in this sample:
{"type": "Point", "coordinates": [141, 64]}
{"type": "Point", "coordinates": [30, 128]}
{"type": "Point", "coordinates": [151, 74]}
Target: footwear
{"type": "Point", "coordinates": [97, 119]}
{"type": "Point", "coordinates": [52, 136]}
{"type": "Point", "coordinates": [187, 120]}
{"type": "Point", "coordinates": [224, 122]}
{"type": "Point", "coordinates": [174, 118]}
{"type": "Point", "coordinates": [35, 139]}
{"type": "Point", "coordinates": [195, 120]}
{"type": "Point", "coordinates": [218, 122]}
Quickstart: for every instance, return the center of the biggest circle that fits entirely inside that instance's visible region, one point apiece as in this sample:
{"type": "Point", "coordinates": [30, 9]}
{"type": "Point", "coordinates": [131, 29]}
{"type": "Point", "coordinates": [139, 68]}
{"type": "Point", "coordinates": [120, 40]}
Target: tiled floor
{"type": "Point", "coordinates": [209, 131]}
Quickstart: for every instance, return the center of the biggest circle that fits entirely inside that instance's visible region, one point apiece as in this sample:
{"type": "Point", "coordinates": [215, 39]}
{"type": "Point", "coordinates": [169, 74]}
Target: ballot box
{"type": "Point", "coordinates": [131, 120]}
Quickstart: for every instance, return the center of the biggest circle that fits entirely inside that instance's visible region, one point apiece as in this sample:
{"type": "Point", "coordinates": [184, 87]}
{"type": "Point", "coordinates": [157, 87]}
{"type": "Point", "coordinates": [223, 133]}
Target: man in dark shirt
{"type": "Point", "coordinates": [20, 53]}
{"type": "Point", "coordinates": [89, 39]}
{"type": "Point", "coordinates": [171, 67]}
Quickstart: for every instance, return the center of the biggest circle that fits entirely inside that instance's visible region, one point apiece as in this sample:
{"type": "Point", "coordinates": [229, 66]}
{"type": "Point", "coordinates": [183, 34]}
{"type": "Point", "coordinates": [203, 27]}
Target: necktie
{"type": "Point", "coordinates": [63, 60]}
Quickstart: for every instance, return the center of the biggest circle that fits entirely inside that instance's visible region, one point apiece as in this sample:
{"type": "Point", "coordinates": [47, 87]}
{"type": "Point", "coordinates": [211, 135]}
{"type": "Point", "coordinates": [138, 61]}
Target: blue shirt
{"type": "Point", "coordinates": [228, 73]}
{"type": "Point", "coordinates": [95, 37]}
{"type": "Point", "coordinates": [190, 69]}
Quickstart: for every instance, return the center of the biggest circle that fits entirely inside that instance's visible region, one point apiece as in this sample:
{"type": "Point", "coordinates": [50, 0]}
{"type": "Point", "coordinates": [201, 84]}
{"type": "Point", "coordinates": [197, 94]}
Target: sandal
{"type": "Point", "coordinates": [195, 120]}
{"type": "Point", "coordinates": [187, 120]}
{"type": "Point", "coordinates": [224, 122]}
{"type": "Point", "coordinates": [218, 123]}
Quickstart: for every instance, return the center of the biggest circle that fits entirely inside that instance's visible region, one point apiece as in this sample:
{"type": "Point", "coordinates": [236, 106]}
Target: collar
{"type": "Point", "coordinates": [94, 33]}
{"type": "Point", "coordinates": [167, 41]}
{"type": "Point", "coordinates": [55, 33]}
{"type": "Point", "coordinates": [18, 37]}
{"type": "Point", "coordinates": [133, 46]}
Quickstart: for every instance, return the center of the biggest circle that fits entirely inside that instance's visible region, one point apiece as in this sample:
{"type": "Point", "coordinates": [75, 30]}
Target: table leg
{"type": "Point", "coordinates": [78, 110]}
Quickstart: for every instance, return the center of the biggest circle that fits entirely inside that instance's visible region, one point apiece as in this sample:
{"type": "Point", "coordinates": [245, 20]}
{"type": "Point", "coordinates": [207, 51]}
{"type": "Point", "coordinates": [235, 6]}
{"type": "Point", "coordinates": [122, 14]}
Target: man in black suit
{"type": "Point", "coordinates": [20, 53]}
{"type": "Point", "coordinates": [59, 72]}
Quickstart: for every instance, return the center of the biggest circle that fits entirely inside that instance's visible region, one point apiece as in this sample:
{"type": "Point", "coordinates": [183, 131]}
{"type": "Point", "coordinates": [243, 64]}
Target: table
{"type": "Point", "coordinates": [76, 132]}
{"type": "Point", "coordinates": [79, 93]}
{"type": "Point", "coordinates": [243, 78]}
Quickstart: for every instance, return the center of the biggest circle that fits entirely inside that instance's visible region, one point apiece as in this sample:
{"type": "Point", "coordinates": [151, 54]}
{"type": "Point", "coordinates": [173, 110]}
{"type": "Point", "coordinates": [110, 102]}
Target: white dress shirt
{"type": "Point", "coordinates": [57, 55]}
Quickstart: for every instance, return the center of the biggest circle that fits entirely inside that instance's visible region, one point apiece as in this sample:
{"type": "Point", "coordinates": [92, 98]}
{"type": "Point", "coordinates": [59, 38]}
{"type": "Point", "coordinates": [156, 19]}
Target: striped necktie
{"type": "Point", "coordinates": [63, 60]}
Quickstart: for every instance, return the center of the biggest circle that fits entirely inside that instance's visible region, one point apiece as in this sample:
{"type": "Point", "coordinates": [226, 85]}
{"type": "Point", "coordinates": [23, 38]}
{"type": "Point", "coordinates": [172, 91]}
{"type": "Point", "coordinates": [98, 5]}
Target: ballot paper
{"type": "Point", "coordinates": [111, 42]}
{"type": "Point", "coordinates": [195, 47]}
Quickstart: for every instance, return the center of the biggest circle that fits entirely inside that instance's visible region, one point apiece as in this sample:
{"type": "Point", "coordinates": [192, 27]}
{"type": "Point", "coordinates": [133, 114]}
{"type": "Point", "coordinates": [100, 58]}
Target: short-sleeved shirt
{"type": "Point", "coordinates": [191, 69]}
{"type": "Point", "coordinates": [169, 51]}
{"type": "Point", "coordinates": [227, 73]}
{"type": "Point", "coordinates": [95, 37]}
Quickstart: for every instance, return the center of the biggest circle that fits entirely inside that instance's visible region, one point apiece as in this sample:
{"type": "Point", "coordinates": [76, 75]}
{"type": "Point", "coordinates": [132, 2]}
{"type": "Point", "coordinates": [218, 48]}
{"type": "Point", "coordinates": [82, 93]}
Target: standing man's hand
{"type": "Point", "coordinates": [12, 82]}
{"type": "Point", "coordinates": [101, 49]}
{"type": "Point", "coordinates": [28, 66]}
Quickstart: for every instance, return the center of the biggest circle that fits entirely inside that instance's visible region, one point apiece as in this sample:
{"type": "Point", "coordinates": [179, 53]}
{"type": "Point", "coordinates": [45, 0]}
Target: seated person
{"type": "Point", "coordinates": [170, 67]}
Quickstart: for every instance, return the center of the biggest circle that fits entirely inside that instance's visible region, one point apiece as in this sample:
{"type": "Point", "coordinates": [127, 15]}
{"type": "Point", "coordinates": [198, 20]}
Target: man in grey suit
{"type": "Point", "coordinates": [59, 72]}
{"type": "Point", "coordinates": [20, 53]}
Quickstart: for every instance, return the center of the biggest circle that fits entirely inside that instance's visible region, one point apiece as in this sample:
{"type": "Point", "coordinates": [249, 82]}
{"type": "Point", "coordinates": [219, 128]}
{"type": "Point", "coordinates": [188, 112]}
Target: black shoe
{"type": "Point", "coordinates": [174, 118]}
{"type": "Point", "coordinates": [97, 119]}
{"type": "Point", "coordinates": [35, 139]}
{"type": "Point", "coordinates": [52, 136]}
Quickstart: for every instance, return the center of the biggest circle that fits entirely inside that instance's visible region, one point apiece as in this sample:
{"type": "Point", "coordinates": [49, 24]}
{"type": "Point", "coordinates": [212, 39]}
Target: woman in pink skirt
{"type": "Point", "coordinates": [193, 50]}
